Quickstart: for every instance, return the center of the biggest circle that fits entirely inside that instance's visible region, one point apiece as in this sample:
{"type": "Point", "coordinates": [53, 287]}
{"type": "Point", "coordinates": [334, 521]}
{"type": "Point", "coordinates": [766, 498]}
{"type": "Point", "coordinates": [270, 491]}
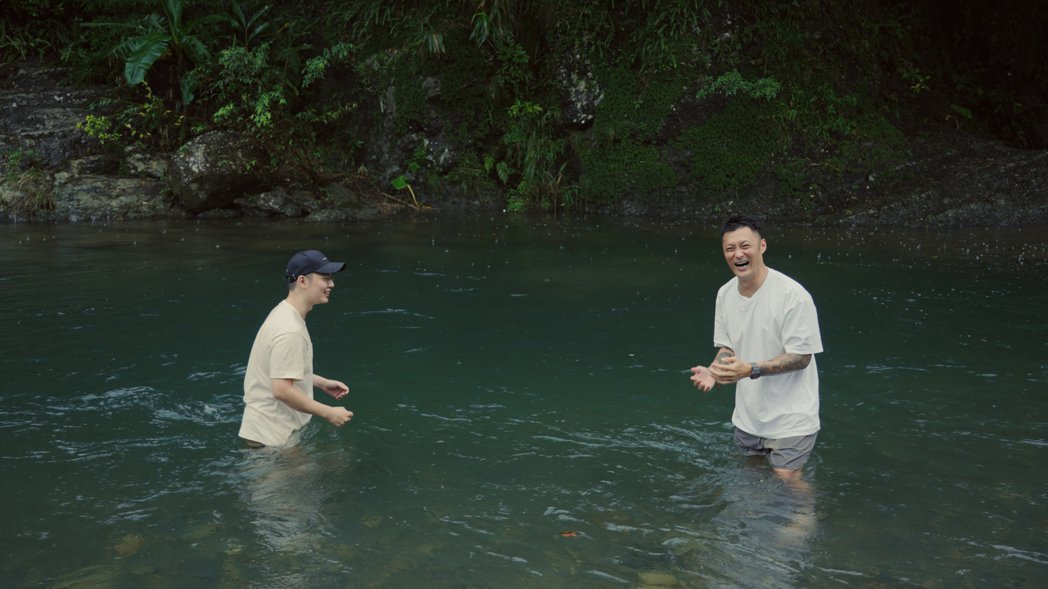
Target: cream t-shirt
{"type": "Point", "coordinates": [780, 317]}
{"type": "Point", "coordinates": [282, 349]}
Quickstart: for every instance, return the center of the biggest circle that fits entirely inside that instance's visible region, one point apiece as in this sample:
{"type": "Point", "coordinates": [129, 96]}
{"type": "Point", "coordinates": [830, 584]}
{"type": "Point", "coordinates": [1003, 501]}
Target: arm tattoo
{"type": "Point", "coordinates": [722, 354]}
{"type": "Point", "coordinates": [785, 363]}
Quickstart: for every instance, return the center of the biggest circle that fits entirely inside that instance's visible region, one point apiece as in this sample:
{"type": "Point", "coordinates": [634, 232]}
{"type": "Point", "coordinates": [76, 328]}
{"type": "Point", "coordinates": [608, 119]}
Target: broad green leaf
{"type": "Point", "coordinates": [149, 49]}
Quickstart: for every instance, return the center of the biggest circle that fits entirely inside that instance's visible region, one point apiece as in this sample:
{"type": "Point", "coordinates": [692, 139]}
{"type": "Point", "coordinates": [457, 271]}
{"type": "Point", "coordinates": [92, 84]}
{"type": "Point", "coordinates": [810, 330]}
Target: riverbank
{"type": "Point", "coordinates": [52, 172]}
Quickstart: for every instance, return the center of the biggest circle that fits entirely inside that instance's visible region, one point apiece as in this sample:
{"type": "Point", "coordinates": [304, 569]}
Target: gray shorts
{"type": "Point", "coordinates": [787, 453]}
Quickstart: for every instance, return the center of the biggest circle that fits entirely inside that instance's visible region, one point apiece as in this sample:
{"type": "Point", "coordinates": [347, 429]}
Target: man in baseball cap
{"type": "Point", "coordinates": [279, 379]}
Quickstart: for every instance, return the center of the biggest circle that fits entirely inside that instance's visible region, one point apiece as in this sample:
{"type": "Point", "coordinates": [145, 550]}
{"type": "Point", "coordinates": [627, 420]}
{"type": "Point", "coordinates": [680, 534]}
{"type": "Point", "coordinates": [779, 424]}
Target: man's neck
{"type": "Point", "coordinates": [299, 304]}
{"type": "Point", "coordinates": [752, 284]}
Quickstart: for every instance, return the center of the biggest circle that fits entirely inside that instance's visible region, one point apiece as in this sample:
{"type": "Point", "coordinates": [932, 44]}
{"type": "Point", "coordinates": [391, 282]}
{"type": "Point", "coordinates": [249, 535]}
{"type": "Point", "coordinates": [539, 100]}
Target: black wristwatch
{"type": "Point", "coordinates": [755, 371]}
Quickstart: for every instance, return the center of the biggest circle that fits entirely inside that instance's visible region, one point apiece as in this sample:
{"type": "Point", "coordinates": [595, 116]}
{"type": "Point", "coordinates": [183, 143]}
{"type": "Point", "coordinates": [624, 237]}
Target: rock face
{"type": "Point", "coordinates": [582, 92]}
{"type": "Point", "coordinates": [954, 180]}
{"type": "Point", "coordinates": [53, 172]}
{"type": "Point", "coordinates": [40, 115]}
{"type": "Point", "coordinates": [213, 170]}
{"type": "Point", "coordinates": [108, 198]}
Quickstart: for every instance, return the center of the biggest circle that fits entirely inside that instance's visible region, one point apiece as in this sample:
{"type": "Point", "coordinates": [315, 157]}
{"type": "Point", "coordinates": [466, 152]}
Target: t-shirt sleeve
{"type": "Point", "coordinates": [800, 328]}
{"type": "Point", "coordinates": [288, 357]}
{"type": "Point", "coordinates": [720, 330]}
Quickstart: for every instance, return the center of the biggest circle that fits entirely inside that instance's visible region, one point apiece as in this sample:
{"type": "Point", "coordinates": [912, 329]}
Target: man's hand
{"type": "Point", "coordinates": [338, 416]}
{"type": "Point", "coordinates": [336, 389]}
{"type": "Point", "coordinates": [703, 379]}
{"type": "Point", "coordinates": [729, 369]}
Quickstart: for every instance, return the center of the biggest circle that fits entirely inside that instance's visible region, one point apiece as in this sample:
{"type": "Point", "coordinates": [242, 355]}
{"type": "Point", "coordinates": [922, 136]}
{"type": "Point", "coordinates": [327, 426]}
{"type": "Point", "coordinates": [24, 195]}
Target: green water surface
{"type": "Point", "coordinates": [523, 411]}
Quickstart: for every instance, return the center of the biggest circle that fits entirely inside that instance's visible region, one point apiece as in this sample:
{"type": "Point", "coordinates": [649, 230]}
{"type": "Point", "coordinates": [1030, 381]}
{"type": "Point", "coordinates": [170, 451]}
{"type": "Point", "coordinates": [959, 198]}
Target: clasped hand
{"type": "Point", "coordinates": [729, 370]}
{"type": "Point", "coordinates": [725, 371]}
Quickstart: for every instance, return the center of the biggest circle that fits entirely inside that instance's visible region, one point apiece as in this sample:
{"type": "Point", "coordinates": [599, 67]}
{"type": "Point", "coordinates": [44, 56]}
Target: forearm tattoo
{"type": "Point", "coordinates": [785, 363]}
{"type": "Point", "coordinates": [722, 354]}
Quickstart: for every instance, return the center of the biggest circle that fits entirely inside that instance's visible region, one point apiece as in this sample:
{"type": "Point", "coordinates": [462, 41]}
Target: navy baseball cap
{"type": "Point", "coordinates": [310, 261]}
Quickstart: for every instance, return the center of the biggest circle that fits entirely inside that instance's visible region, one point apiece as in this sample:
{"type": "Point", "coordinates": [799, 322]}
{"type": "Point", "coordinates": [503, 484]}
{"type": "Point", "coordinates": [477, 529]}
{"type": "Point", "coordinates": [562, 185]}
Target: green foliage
{"type": "Point", "coordinates": [753, 90]}
{"type": "Point", "coordinates": [821, 114]}
{"type": "Point", "coordinates": [792, 176]}
{"type": "Point", "coordinates": [733, 83]}
{"type": "Point", "coordinates": [17, 161]}
{"type": "Point", "coordinates": [959, 115]}
{"type": "Point", "coordinates": [246, 29]}
{"type": "Point", "coordinates": [409, 95]}
{"type": "Point", "coordinates": [658, 36]}
{"type": "Point", "coordinates": [472, 174]}
{"type": "Point", "coordinates": [622, 156]}
{"type": "Point", "coordinates": [513, 74]}
{"type": "Point", "coordinates": [401, 183]}
{"type": "Point", "coordinates": [918, 82]}
{"type": "Point", "coordinates": [531, 167]}
{"type": "Point", "coordinates": [316, 67]}
{"type": "Point", "coordinates": [35, 29]}
{"type": "Point", "coordinates": [401, 24]}
{"type": "Point", "coordinates": [164, 33]}
{"type": "Point", "coordinates": [26, 189]}
{"type": "Point", "coordinates": [731, 149]}
{"type": "Point", "coordinates": [99, 128]}
{"type": "Point", "coordinates": [625, 167]}
{"type": "Point", "coordinates": [876, 145]}
{"type": "Point", "coordinates": [635, 107]}
{"type": "Point", "coordinates": [147, 121]}
{"type": "Point", "coordinates": [250, 91]}
{"type": "Point", "coordinates": [258, 98]}
{"type": "Point", "coordinates": [493, 24]}
{"type": "Point", "coordinates": [476, 108]}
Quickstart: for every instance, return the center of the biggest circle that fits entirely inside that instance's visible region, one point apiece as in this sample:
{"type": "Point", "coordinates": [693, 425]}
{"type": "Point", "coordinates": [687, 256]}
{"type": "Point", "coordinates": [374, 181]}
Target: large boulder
{"type": "Point", "coordinates": [213, 170]}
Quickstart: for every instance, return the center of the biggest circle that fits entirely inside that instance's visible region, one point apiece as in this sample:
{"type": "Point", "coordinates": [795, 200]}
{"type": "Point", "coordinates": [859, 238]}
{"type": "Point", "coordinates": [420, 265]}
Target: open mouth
{"type": "Point", "coordinates": [742, 265]}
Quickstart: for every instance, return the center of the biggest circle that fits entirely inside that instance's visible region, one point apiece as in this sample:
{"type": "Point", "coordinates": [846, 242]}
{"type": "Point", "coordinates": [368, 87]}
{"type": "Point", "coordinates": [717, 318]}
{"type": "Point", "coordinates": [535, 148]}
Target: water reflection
{"type": "Point", "coordinates": [760, 533]}
{"type": "Point", "coordinates": [288, 492]}
{"type": "Point", "coordinates": [284, 492]}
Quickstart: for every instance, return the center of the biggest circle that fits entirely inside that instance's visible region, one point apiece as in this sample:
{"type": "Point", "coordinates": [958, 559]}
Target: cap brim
{"type": "Point", "coordinates": [331, 268]}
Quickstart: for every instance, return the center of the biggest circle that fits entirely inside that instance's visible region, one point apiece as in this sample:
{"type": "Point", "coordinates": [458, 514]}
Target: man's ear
{"type": "Point", "coordinates": [764, 245]}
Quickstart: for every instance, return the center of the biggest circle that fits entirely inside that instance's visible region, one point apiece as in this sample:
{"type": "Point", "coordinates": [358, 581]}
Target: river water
{"type": "Point", "coordinates": [523, 411]}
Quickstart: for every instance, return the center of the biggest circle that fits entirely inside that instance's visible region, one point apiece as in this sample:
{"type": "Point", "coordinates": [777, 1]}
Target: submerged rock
{"type": "Point", "coordinates": [92, 577]}
{"type": "Point", "coordinates": [129, 545]}
{"type": "Point", "coordinates": [657, 579]}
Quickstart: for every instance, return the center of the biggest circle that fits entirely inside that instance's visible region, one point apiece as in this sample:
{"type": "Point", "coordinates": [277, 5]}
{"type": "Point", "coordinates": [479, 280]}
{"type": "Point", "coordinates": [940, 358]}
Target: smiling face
{"type": "Point", "coordinates": [744, 252]}
{"type": "Point", "coordinates": [319, 287]}
{"type": "Point", "coordinates": [310, 290]}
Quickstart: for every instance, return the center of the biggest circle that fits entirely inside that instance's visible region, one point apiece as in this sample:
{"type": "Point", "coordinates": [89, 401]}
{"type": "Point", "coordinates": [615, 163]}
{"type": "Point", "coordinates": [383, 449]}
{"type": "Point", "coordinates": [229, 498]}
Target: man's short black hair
{"type": "Point", "coordinates": [740, 221]}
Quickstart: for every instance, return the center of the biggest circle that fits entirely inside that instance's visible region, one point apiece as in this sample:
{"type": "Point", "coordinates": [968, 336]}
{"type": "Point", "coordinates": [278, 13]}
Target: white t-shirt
{"type": "Point", "coordinates": [282, 349]}
{"type": "Point", "coordinates": [779, 318]}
